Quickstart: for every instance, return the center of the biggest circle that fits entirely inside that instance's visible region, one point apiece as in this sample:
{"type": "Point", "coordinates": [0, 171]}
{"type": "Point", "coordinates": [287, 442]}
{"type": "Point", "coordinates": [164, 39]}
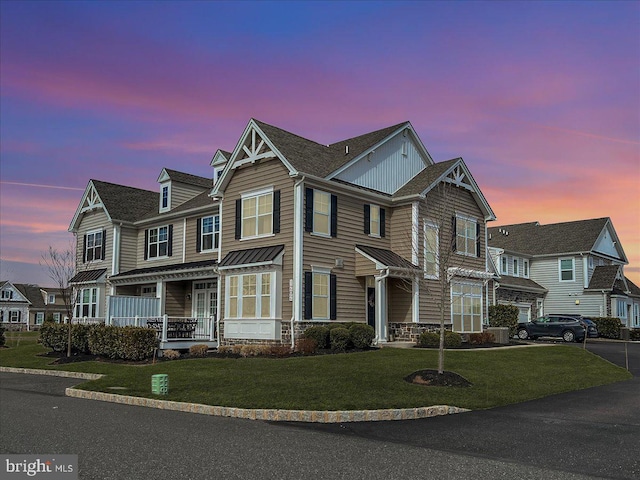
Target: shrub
{"type": "Point", "coordinates": [103, 341]}
{"type": "Point", "coordinates": [236, 349]}
{"type": "Point", "coordinates": [452, 339]}
{"type": "Point", "coordinates": [608, 327]}
{"type": "Point", "coordinates": [361, 335]}
{"type": "Point", "coordinates": [481, 338]}
{"type": "Point", "coordinates": [126, 343]}
{"type": "Point", "coordinates": [3, 339]}
{"type": "Point", "coordinates": [318, 333]}
{"type": "Point", "coordinates": [225, 349]}
{"type": "Point", "coordinates": [80, 338]}
{"type": "Point", "coordinates": [199, 350]}
{"type": "Point", "coordinates": [634, 334]}
{"type": "Point", "coordinates": [340, 339]}
{"type": "Point", "coordinates": [331, 326]}
{"type": "Point", "coordinates": [279, 351]}
{"type": "Point", "coordinates": [250, 350]}
{"type": "Point", "coordinates": [504, 316]}
{"type": "Point", "coordinates": [429, 339]}
{"type": "Point", "coordinates": [54, 336]}
{"type": "Point", "coordinates": [171, 354]}
{"type": "Point", "coordinates": [306, 346]}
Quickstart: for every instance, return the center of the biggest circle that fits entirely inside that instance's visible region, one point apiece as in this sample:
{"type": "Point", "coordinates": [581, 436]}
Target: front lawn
{"type": "Point", "coordinates": [366, 380]}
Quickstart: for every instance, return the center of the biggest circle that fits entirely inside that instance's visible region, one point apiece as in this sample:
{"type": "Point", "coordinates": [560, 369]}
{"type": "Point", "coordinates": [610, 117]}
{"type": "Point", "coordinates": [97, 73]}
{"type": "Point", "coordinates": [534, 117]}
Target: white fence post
{"type": "Point", "coordinates": [211, 330]}
{"type": "Point", "coordinates": [137, 321]}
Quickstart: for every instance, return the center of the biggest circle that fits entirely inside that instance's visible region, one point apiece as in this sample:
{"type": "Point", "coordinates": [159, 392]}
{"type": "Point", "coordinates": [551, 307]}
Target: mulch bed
{"type": "Point", "coordinates": [431, 378]}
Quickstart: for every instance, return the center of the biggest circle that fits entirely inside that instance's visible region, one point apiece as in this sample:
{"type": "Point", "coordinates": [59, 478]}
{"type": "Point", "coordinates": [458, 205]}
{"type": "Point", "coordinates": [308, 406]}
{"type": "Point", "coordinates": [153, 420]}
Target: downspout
{"type": "Point", "coordinates": [378, 280]}
{"type": "Point", "coordinates": [297, 255]}
{"type": "Point", "coordinates": [218, 283]}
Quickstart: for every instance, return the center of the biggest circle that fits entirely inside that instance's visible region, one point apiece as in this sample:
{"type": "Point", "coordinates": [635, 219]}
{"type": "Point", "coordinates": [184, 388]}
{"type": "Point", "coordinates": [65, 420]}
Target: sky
{"type": "Point", "coordinates": [541, 99]}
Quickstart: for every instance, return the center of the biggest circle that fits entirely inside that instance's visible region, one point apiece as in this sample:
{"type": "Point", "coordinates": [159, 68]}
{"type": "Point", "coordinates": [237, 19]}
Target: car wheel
{"type": "Point", "coordinates": [568, 336]}
{"type": "Point", "coordinates": [523, 334]}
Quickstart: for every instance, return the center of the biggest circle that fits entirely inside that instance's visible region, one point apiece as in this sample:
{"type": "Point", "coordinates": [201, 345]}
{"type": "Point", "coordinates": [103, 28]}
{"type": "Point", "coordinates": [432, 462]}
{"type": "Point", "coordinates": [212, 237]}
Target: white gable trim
{"type": "Point", "coordinates": [164, 176]}
{"type": "Point", "coordinates": [608, 228]}
{"type": "Point", "coordinates": [18, 297]}
{"type": "Point", "coordinates": [90, 201]}
{"type": "Point", "coordinates": [218, 159]}
{"type": "Point", "coordinates": [258, 140]}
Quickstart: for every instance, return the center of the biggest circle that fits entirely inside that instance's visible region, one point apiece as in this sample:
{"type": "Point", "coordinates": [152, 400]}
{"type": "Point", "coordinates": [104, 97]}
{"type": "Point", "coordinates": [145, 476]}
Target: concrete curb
{"type": "Point", "coordinates": [272, 415]}
{"type": "Point", "coordinates": [53, 373]}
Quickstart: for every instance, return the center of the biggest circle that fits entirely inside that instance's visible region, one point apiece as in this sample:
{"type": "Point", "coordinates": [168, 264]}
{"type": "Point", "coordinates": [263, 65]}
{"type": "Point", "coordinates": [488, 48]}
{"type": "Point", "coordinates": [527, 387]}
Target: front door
{"type": "Point", "coordinates": [371, 306]}
{"type": "Point", "coordinates": [205, 304]}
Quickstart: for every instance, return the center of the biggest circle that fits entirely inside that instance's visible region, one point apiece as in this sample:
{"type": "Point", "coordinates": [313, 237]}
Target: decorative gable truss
{"type": "Point", "coordinates": [459, 177]}
{"type": "Point", "coordinates": [90, 201]}
{"type": "Point", "coordinates": [254, 148]}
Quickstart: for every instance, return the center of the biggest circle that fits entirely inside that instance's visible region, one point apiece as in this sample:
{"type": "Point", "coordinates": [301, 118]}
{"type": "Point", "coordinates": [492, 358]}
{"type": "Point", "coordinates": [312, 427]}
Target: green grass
{"type": "Point", "coordinates": [366, 380]}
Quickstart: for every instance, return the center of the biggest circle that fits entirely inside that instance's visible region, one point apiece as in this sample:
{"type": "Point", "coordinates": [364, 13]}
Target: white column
{"type": "Point", "coordinates": [381, 309]}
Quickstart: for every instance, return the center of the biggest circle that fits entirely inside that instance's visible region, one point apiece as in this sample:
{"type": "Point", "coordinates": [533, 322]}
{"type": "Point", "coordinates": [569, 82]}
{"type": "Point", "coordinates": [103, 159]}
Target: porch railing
{"type": "Point", "coordinates": [86, 320]}
{"type": "Point", "coordinates": [173, 328]}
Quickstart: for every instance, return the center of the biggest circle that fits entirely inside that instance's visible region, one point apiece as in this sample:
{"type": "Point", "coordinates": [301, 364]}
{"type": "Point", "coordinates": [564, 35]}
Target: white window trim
{"type": "Point", "coordinates": [16, 314]}
{"type": "Point", "coordinates": [214, 234]}
{"type": "Point", "coordinates": [372, 233]}
{"type": "Point", "coordinates": [475, 229]}
{"type": "Point", "coordinates": [79, 303]}
{"type": "Point", "coordinates": [39, 318]}
{"type": "Point", "coordinates": [525, 268]}
{"type": "Point", "coordinates": [516, 266]}
{"type": "Point", "coordinates": [148, 245]}
{"type": "Point", "coordinates": [256, 194]}
{"type": "Point", "coordinates": [325, 271]}
{"type": "Point", "coordinates": [86, 249]}
{"type": "Point", "coordinates": [573, 270]}
{"type": "Point", "coordinates": [273, 314]}
{"type": "Point", "coordinates": [326, 234]}
{"type": "Point", "coordinates": [504, 265]}
{"type": "Point", "coordinates": [463, 296]}
{"type": "Point", "coordinates": [168, 187]}
{"type": "Point", "coordinates": [427, 225]}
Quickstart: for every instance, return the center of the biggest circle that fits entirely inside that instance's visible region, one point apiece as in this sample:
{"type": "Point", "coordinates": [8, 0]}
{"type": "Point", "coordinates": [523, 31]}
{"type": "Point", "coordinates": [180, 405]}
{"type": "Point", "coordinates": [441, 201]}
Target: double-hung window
{"type": "Point", "coordinates": [466, 236]}
{"type": "Point", "coordinates": [431, 250]}
{"type": "Point", "coordinates": [14, 316]}
{"type": "Point", "coordinates": [94, 246]}
{"type": "Point", "coordinates": [525, 268]}
{"type": "Point", "coordinates": [567, 269]}
{"type": "Point", "coordinates": [164, 198]}
{"type": "Point", "coordinates": [208, 235]}
{"type": "Point", "coordinates": [7, 294]}
{"type": "Point", "coordinates": [516, 265]}
{"type": "Point", "coordinates": [504, 264]}
{"type": "Point", "coordinates": [258, 214]}
{"type": "Point", "coordinates": [158, 242]}
{"type": "Point", "coordinates": [321, 213]}
{"type": "Point", "coordinates": [374, 220]}
{"type": "Point", "coordinates": [250, 296]}
{"type": "Point", "coordinates": [39, 318]}
{"type": "Point", "coordinates": [320, 292]}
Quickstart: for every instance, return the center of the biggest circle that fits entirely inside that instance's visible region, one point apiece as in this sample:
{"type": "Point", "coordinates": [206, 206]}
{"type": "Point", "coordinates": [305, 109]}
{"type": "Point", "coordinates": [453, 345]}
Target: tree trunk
{"type": "Point", "coordinates": [69, 339]}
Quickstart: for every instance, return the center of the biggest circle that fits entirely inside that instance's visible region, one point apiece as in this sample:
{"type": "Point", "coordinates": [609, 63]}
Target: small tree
{"type": "Point", "coordinates": [61, 268]}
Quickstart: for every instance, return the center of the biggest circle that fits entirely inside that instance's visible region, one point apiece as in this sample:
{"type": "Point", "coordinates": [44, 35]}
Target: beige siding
{"type": "Point", "coordinates": [400, 231]}
{"type": "Point", "coordinates": [264, 174]}
{"type": "Point", "coordinates": [364, 266]}
{"type": "Point", "coordinates": [175, 295]}
{"type": "Point", "coordinates": [400, 304]}
{"type": "Point", "coordinates": [128, 248]}
{"type": "Point", "coordinates": [181, 192]}
{"type": "Point", "coordinates": [178, 226]}
{"type": "Point", "coordinates": [93, 221]}
{"type": "Point", "coordinates": [191, 239]}
{"type": "Point", "coordinates": [323, 252]}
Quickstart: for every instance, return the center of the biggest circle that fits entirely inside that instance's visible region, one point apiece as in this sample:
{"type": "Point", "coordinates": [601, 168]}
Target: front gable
{"type": "Point", "coordinates": [608, 244]}
{"type": "Point", "coordinates": [9, 293]}
{"type": "Point", "coordinates": [388, 165]}
{"type": "Point", "coordinates": [90, 202]}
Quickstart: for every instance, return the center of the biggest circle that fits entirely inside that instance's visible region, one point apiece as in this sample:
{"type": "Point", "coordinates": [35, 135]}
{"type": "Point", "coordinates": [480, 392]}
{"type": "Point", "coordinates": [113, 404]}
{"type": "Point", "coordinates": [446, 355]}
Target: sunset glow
{"type": "Point", "coordinates": [541, 99]}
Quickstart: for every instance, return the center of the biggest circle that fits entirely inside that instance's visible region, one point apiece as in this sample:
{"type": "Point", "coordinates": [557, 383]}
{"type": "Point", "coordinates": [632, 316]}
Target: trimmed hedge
{"type": "Point", "coordinates": [504, 316]}
{"type": "Point", "coordinates": [340, 339]}
{"type": "Point", "coordinates": [361, 335]}
{"type": "Point", "coordinates": [318, 333]}
{"type": "Point", "coordinates": [608, 327]}
{"type": "Point", "coordinates": [125, 343]}
{"type": "Point", "coordinates": [432, 339]}
{"type": "Point", "coordinates": [634, 334]}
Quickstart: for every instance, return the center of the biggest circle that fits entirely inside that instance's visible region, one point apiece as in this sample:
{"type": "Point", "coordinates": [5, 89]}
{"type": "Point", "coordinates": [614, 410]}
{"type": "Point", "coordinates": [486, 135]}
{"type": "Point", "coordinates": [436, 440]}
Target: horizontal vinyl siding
{"type": "Point", "coordinates": [128, 249]}
{"type": "Point", "coordinates": [400, 231]}
{"type": "Point", "coordinates": [192, 255]}
{"type": "Point", "coordinates": [264, 174]}
{"type": "Point", "coordinates": [178, 226]}
{"type": "Point", "coordinates": [400, 305]}
{"type": "Point", "coordinates": [561, 296]}
{"type": "Point", "coordinates": [175, 295]}
{"type": "Point", "coordinates": [323, 252]}
{"type": "Point", "coordinates": [92, 221]}
{"type": "Point", "coordinates": [181, 192]}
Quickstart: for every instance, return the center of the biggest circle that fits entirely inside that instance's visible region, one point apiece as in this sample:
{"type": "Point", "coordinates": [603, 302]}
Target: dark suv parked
{"type": "Point", "coordinates": [590, 325]}
{"type": "Point", "coordinates": [568, 328]}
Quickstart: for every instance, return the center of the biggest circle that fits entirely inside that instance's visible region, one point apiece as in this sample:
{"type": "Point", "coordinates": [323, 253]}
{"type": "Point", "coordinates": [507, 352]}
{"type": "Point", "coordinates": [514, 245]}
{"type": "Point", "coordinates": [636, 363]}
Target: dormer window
{"type": "Point", "coordinates": [165, 201]}
{"type": "Point", "coordinates": [7, 294]}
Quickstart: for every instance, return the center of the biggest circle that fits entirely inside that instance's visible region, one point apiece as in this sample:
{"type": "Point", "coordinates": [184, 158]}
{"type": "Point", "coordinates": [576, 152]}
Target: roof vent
{"type": "Point", "coordinates": [346, 149]}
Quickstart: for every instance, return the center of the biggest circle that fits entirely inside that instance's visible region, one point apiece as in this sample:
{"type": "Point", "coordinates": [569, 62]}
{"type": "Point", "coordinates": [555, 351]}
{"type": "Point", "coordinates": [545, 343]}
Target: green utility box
{"type": "Point", "coordinates": [160, 384]}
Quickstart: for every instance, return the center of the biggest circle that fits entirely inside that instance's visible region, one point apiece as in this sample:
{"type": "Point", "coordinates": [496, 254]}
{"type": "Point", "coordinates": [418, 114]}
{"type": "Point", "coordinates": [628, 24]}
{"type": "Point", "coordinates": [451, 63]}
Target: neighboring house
{"type": "Point", "coordinates": [291, 233]}
{"type": "Point", "coordinates": [26, 306]}
{"type": "Point", "coordinates": [564, 268]}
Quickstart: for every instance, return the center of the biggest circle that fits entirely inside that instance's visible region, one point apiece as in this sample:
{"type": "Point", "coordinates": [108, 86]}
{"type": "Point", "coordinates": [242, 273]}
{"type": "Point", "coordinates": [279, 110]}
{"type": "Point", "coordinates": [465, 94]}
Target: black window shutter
{"type": "Point", "coordinates": [454, 234]}
{"type": "Point", "coordinates": [333, 297]}
{"type": "Point", "coordinates": [308, 210]}
{"type": "Point", "coordinates": [104, 243]}
{"type": "Point", "coordinates": [382, 222]}
{"type": "Point", "coordinates": [478, 250]}
{"type": "Point", "coordinates": [308, 294]}
{"type": "Point", "coordinates": [170, 241]}
{"type": "Point", "coordinates": [146, 244]}
{"type": "Point", "coordinates": [238, 218]}
{"type": "Point", "coordinates": [276, 211]}
{"type": "Point", "coordinates": [334, 216]}
{"type": "Point", "coordinates": [199, 235]}
{"type": "Point", "coordinates": [367, 219]}
{"type": "Point", "coordinates": [84, 250]}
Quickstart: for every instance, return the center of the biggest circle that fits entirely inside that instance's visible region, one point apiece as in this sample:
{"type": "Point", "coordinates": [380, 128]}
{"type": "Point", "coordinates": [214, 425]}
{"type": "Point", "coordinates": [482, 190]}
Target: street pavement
{"type": "Point", "coordinates": [592, 433]}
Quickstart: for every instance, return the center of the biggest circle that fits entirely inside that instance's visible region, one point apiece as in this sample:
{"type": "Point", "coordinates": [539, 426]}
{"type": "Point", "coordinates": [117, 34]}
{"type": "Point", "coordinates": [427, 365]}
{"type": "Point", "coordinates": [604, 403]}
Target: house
{"type": "Point", "coordinates": [564, 268]}
{"type": "Point", "coordinates": [290, 233]}
{"type": "Point", "coordinates": [26, 306]}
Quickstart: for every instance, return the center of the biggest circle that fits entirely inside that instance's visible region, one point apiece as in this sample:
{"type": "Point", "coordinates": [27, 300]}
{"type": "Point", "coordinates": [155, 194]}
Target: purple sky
{"type": "Point", "coordinates": [541, 99]}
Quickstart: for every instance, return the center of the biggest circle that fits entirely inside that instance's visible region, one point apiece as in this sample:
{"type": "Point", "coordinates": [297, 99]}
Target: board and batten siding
{"type": "Point", "coordinates": [323, 251]}
{"type": "Point", "coordinates": [249, 178]}
{"type": "Point", "coordinates": [388, 167]}
{"type": "Point", "coordinates": [91, 222]}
